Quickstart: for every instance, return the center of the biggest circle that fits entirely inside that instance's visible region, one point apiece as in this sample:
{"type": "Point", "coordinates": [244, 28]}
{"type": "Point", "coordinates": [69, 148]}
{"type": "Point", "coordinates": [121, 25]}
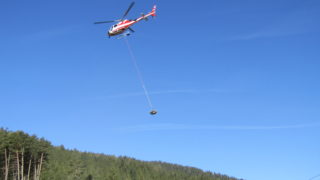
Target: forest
{"type": "Point", "coordinates": [27, 157]}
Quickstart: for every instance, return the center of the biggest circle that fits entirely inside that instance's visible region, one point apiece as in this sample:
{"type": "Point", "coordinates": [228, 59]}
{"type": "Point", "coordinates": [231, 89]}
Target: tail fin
{"type": "Point", "coordinates": [153, 12]}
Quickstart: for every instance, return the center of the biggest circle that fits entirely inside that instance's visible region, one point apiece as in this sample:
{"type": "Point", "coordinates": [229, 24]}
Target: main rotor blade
{"type": "Point", "coordinates": [101, 22]}
{"type": "Point", "coordinates": [126, 13]}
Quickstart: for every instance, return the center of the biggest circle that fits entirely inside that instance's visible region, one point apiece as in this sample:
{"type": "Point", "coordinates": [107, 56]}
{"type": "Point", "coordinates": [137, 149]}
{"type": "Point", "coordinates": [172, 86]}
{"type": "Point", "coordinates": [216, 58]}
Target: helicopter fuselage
{"type": "Point", "coordinates": [124, 25]}
{"type": "Point", "coordinates": [120, 28]}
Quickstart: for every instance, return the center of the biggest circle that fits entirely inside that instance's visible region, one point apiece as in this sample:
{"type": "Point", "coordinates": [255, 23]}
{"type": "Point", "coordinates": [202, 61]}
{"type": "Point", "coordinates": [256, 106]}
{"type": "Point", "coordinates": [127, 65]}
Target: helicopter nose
{"type": "Point", "coordinates": [110, 33]}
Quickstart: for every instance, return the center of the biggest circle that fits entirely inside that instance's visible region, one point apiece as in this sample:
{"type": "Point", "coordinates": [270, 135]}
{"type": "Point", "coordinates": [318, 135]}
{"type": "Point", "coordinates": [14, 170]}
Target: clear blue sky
{"type": "Point", "coordinates": [236, 83]}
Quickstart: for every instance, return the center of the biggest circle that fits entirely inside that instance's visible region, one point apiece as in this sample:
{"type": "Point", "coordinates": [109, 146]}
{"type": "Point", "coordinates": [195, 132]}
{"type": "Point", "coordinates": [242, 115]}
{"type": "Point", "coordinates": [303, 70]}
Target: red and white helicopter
{"type": "Point", "coordinates": [125, 24]}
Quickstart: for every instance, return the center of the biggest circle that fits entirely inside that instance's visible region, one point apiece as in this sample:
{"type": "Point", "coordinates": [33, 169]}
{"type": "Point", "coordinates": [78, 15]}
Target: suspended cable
{"type": "Point", "coordinates": [314, 177]}
{"type": "Point", "coordinates": [133, 58]}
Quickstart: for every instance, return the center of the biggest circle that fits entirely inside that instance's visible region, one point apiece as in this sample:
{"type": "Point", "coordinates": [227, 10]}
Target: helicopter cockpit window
{"type": "Point", "coordinates": [112, 27]}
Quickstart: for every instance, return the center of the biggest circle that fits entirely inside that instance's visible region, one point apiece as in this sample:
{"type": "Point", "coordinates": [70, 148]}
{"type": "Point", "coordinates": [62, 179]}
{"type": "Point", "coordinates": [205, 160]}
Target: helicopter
{"type": "Point", "coordinates": [123, 24]}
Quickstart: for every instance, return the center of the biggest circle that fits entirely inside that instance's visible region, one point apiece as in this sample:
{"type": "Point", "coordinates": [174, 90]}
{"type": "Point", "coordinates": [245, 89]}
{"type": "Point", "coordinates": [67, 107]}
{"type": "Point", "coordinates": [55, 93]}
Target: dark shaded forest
{"type": "Point", "coordinates": [25, 157]}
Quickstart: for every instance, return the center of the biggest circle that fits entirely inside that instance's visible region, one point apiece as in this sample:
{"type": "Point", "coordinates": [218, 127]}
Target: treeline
{"type": "Point", "coordinates": [24, 157]}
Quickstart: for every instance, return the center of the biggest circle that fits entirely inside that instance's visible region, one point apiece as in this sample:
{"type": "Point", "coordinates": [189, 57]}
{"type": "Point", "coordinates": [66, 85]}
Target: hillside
{"type": "Point", "coordinates": [23, 156]}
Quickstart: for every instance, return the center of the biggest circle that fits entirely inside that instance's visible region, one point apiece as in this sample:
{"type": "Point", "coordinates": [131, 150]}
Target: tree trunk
{"type": "Point", "coordinates": [29, 168]}
{"type": "Point", "coordinates": [40, 166]}
{"type": "Point", "coordinates": [22, 165]}
{"type": "Point", "coordinates": [7, 163]}
{"type": "Point", "coordinates": [18, 165]}
{"type": "Point", "coordinates": [35, 170]}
